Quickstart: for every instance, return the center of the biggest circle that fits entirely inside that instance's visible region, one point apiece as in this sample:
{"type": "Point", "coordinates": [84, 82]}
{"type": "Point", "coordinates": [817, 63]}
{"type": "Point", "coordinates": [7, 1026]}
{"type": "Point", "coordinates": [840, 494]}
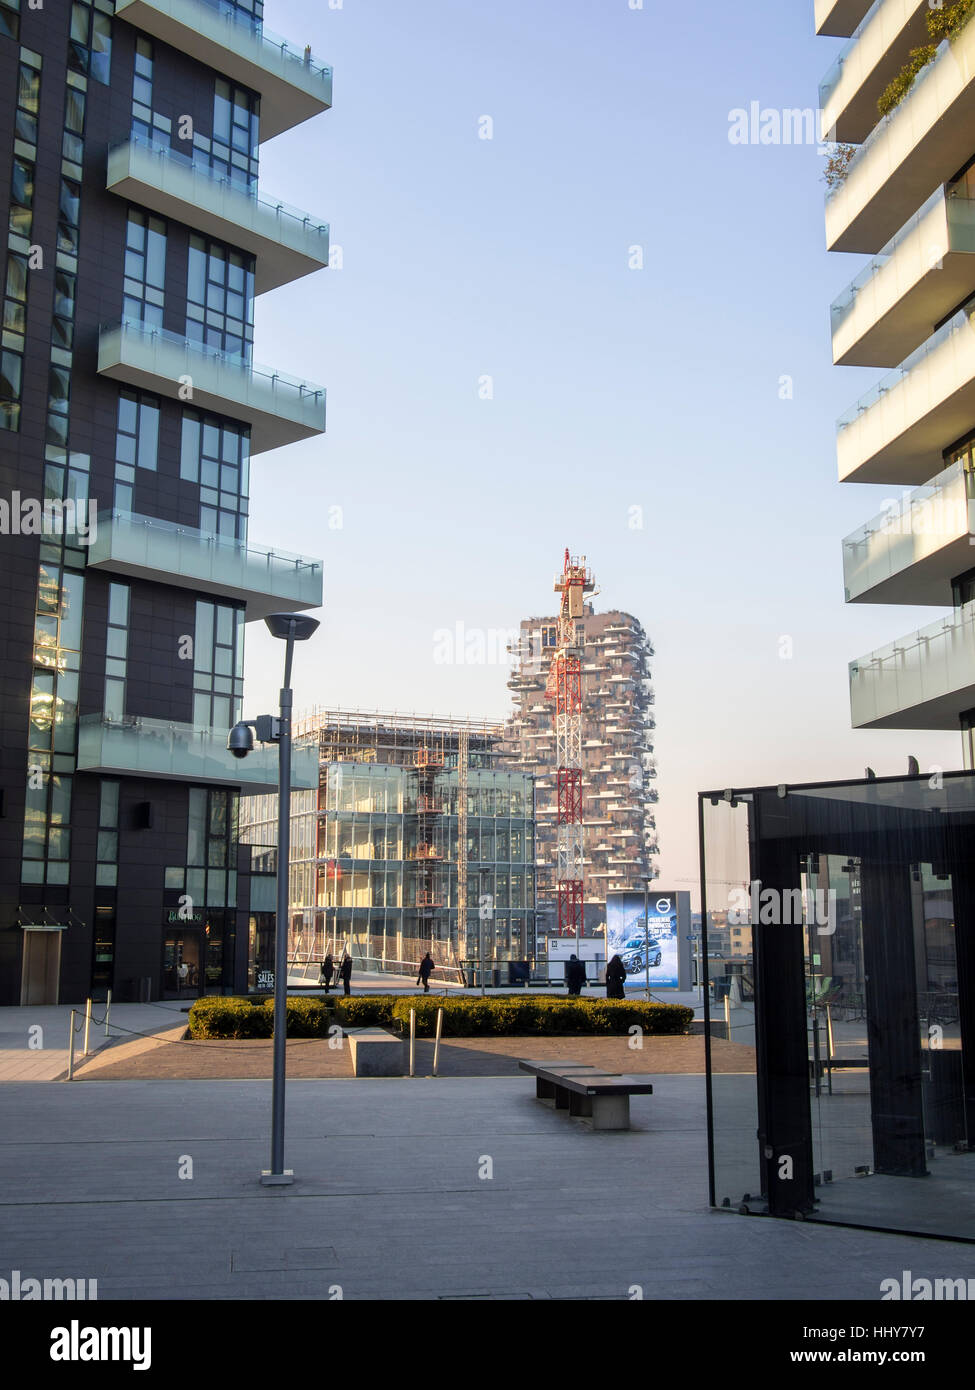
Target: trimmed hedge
{"type": "Point", "coordinates": [218, 1017]}
{"type": "Point", "coordinates": [515, 1015]}
{"type": "Point", "coordinates": [364, 1010]}
{"type": "Point", "coordinates": [464, 1016]}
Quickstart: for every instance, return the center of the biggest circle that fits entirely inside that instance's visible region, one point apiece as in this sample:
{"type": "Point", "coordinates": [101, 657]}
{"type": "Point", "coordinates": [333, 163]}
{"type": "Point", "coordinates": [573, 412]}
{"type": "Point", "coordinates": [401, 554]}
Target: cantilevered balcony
{"type": "Point", "coordinates": [143, 547]}
{"type": "Point", "coordinates": [924, 681]}
{"type": "Point", "coordinates": [293, 86]}
{"type": "Point", "coordinates": [918, 278]}
{"type": "Point", "coordinates": [911, 553]}
{"type": "Point", "coordinates": [923, 142]}
{"type": "Point", "coordinates": [287, 243]}
{"type": "Point", "coordinates": [877, 51]}
{"type": "Point", "coordinates": [156, 749]}
{"type": "Point", "coordinates": [278, 408]}
{"type": "Point", "coordinates": [839, 18]}
{"type": "Point", "coordinates": [898, 431]}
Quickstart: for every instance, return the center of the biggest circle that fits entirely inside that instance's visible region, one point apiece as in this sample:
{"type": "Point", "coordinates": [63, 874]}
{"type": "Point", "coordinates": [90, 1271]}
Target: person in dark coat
{"type": "Point", "coordinates": [575, 975]}
{"type": "Point", "coordinates": [328, 970]}
{"type": "Point", "coordinates": [345, 972]}
{"type": "Point", "coordinates": [427, 968]}
{"type": "Point", "coordinates": [615, 975]}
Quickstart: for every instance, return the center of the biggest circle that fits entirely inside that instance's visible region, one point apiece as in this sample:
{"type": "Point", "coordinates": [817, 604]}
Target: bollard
{"type": "Point", "coordinates": [87, 1025]}
{"type": "Point", "coordinates": [727, 1016]}
{"type": "Point", "coordinates": [436, 1045]}
{"type": "Point", "coordinates": [71, 1049]}
{"type": "Point", "coordinates": [412, 1037]}
{"type": "Point", "coordinates": [108, 1010]}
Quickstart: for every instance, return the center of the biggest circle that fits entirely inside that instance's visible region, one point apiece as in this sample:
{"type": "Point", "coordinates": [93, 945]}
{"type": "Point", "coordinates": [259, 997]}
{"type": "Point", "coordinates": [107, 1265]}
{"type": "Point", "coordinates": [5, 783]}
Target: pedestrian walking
{"type": "Point", "coordinates": [327, 971]}
{"type": "Point", "coordinates": [575, 974]}
{"type": "Point", "coordinates": [345, 972]}
{"type": "Point", "coordinates": [615, 975]}
{"type": "Point", "coordinates": [426, 969]}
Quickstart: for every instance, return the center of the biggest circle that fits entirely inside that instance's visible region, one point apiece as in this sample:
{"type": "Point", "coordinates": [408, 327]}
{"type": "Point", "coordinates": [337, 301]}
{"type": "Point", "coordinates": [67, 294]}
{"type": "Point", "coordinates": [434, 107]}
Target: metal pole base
{"type": "Point", "coordinates": [269, 1179]}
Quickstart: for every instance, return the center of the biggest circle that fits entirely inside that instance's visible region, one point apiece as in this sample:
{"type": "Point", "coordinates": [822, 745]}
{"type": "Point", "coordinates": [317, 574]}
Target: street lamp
{"type": "Point", "coordinates": [290, 628]}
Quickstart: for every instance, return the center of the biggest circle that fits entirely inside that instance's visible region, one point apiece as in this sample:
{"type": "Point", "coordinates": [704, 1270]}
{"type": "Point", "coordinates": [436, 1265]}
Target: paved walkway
{"type": "Point", "coordinates": [167, 1056]}
{"type": "Point", "coordinates": [34, 1041]}
{"type": "Point", "coordinates": [430, 1189]}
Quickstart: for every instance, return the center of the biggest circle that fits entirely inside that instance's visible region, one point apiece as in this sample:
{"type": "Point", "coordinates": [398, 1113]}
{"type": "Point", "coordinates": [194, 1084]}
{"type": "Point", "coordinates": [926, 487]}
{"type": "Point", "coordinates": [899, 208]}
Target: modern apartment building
{"type": "Point", "coordinates": [414, 816]}
{"type": "Point", "coordinates": [906, 199]}
{"type": "Point", "coordinates": [130, 413]}
{"type": "Point", "coordinates": [619, 824]}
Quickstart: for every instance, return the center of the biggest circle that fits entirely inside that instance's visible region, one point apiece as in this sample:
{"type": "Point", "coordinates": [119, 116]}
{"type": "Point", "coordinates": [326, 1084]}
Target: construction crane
{"type": "Point", "coordinates": [565, 686]}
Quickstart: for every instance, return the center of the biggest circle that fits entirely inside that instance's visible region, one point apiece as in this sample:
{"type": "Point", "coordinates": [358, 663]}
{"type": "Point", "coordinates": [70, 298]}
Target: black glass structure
{"type": "Point", "coordinates": [841, 1025]}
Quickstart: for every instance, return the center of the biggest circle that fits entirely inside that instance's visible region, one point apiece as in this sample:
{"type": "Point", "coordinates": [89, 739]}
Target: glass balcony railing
{"type": "Point", "coordinates": [921, 680]}
{"type": "Point", "coordinates": [831, 81]}
{"type": "Point", "coordinates": [245, 23]}
{"type": "Point", "coordinates": [961, 322]}
{"type": "Point", "coordinates": [922, 523]}
{"type": "Point", "coordinates": [279, 408]}
{"type": "Point", "coordinates": [187, 188]}
{"type": "Point", "coordinates": [292, 83]}
{"type": "Point", "coordinates": [154, 748]}
{"type": "Point", "coordinates": [882, 126]}
{"type": "Point", "coordinates": [844, 302]}
{"type": "Point", "coordinates": [266, 580]}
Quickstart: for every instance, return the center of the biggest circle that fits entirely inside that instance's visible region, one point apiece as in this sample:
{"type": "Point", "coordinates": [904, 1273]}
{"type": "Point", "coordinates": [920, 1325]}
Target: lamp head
{"type": "Point", "coordinates": [279, 625]}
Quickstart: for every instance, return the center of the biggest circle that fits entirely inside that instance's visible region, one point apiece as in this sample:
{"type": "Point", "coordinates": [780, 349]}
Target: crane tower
{"type": "Point", "coordinates": [565, 686]}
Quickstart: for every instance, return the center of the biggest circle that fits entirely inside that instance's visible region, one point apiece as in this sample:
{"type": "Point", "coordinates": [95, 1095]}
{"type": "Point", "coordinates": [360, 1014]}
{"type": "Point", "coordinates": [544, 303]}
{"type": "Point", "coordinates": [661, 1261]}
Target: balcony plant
{"type": "Point", "coordinates": [837, 167]}
{"type": "Point", "coordinates": [944, 23]}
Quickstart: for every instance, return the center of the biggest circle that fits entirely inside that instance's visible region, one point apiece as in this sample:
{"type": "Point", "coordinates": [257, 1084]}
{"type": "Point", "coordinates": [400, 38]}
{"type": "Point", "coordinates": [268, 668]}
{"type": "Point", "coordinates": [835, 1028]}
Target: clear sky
{"type": "Point", "coordinates": [613, 388]}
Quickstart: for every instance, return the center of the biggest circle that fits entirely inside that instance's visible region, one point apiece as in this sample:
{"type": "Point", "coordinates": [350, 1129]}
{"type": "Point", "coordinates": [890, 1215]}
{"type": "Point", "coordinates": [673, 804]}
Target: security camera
{"type": "Point", "coordinates": [241, 740]}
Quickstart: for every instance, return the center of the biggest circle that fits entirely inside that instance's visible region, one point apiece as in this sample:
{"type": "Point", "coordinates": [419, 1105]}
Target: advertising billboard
{"type": "Point", "coordinates": [638, 938]}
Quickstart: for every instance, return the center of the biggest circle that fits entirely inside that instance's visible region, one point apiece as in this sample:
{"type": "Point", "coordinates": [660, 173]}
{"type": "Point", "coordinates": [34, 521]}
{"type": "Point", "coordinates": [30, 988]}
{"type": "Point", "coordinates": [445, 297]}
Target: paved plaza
{"type": "Point", "coordinates": [429, 1188]}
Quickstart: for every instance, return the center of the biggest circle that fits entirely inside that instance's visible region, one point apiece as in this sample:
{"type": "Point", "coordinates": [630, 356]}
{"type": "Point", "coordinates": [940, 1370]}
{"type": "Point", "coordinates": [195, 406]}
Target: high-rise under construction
{"type": "Point", "coordinates": [618, 765]}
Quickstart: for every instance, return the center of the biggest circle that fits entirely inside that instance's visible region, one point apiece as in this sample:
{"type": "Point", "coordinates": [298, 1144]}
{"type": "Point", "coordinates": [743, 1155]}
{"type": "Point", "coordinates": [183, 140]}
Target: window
{"type": "Point", "coordinates": [90, 44]}
{"type": "Point", "coordinates": [10, 19]}
{"type": "Point", "coordinates": [11, 381]}
{"type": "Point", "coordinates": [218, 666]}
{"type": "Point", "coordinates": [28, 99]}
{"type": "Point", "coordinates": [216, 455]}
{"type": "Point", "coordinates": [62, 325]}
{"type": "Point", "coordinates": [116, 650]}
{"type": "Point", "coordinates": [15, 298]}
{"type": "Point", "coordinates": [235, 132]}
{"type": "Point", "coordinates": [145, 269]}
{"type": "Point", "coordinates": [106, 873]}
{"type": "Point", "coordinates": [136, 441]}
{"type": "Point", "coordinates": [69, 215]}
{"type": "Point", "coordinates": [211, 848]}
{"type": "Point", "coordinates": [22, 197]}
{"type": "Point", "coordinates": [72, 141]}
{"type": "Point", "coordinates": [220, 297]}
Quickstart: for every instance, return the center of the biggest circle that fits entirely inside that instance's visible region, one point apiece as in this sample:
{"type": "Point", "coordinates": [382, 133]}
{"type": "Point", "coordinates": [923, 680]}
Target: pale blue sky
{"type": "Point", "coordinates": [613, 388]}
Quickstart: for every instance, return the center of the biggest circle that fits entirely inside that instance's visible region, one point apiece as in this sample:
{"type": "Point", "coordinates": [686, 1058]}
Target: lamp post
{"type": "Point", "coordinates": [646, 928]}
{"type": "Point", "coordinates": [290, 628]}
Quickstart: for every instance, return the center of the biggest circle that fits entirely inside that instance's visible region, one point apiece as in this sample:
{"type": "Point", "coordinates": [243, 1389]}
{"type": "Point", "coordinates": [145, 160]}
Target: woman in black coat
{"type": "Point", "coordinates": [615, 975]}
{"type": "Point", "coordinates": [345, 972]}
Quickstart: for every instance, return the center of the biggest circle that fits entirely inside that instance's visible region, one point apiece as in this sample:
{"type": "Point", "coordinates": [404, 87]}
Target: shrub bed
{"type": "Point", "coordinates": [516, 1015]}
{"type": "Point", "coordinates": [464, 1016]}
{"type": "Point", "coordinates": [219, 1017]}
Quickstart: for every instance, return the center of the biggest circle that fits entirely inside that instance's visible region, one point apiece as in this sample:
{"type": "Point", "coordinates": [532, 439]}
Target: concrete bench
{"type": "Point", "coordinates": [602, 1098]}
{"type": "Point", "coordinates": [376, 1052]}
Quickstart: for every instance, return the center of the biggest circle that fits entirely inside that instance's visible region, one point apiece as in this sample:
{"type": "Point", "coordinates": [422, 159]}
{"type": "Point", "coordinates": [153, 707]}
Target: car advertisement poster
{"type": "Point", "coordinates": [637, 938]}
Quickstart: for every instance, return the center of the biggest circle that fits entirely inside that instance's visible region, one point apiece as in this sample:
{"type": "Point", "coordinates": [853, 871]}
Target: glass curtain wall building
{"type": "Point", "coordinates": [131, 414]}
{"type": "Point", "coordinates": [396, 836]}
